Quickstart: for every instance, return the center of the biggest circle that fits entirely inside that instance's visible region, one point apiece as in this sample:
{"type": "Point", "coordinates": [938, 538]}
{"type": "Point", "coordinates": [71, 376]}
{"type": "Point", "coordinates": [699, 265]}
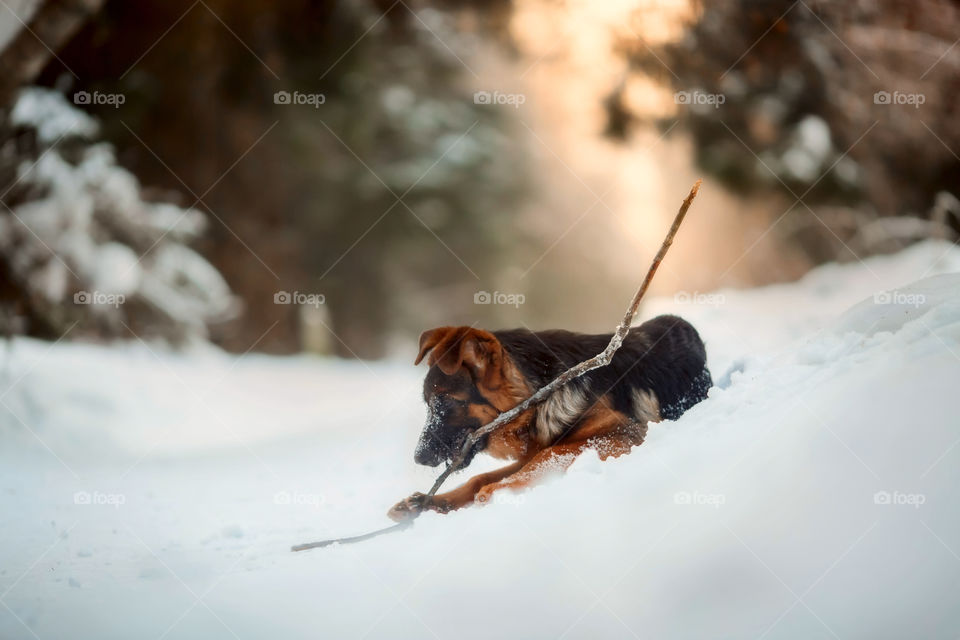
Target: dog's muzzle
{"type": "Point", "coordinates": [429, 452]}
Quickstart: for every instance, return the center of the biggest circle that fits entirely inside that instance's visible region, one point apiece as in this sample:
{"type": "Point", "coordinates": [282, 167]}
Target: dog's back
{"type": "Point", "coordinates": [664, 356]}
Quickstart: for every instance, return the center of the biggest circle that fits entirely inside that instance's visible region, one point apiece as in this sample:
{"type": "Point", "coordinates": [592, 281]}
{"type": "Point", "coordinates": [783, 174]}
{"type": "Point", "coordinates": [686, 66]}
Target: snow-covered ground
{"type": "Point", "coordinates": [149, 494]}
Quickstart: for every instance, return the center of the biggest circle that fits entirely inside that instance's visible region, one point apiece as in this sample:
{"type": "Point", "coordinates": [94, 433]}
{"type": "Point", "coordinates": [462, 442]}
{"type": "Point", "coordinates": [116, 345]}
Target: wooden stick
{"type": "Point", "coordinates": [351, 539]}
{"type": "Point", "coordinates": [600, 360]}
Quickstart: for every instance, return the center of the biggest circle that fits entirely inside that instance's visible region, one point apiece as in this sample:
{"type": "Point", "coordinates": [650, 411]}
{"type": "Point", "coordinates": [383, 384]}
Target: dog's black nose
{"type": "Point", "coordinates": [427, 454]}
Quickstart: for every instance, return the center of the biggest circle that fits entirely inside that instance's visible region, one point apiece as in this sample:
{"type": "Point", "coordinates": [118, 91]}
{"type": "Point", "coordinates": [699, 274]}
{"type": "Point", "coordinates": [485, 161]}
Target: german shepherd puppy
{"type": "Point", "coordinates": [475, 375]}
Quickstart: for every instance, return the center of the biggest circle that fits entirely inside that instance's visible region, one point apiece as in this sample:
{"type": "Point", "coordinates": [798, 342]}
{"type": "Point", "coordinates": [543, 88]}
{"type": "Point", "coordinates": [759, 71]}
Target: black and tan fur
{"type": "Point", "coordinates": [659, 372]}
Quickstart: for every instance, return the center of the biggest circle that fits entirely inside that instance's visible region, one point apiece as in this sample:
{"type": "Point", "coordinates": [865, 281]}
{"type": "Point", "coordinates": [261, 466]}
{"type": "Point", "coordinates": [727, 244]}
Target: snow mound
{"type": "Point", "coordinates": [889, 311]}
{"type": "Point", "coordinates": [814, 496]}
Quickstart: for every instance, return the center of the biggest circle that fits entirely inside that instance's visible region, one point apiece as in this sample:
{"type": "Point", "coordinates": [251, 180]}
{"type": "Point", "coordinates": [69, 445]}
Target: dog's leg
{"type": "Point", "coordinates": [609, 432]}
{"type": "Point", "coordinates": [451, 500]}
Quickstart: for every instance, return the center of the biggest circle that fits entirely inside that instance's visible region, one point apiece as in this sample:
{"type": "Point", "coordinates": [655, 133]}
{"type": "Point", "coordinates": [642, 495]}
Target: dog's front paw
{"type": "Point", "coordinates": [409, 508]}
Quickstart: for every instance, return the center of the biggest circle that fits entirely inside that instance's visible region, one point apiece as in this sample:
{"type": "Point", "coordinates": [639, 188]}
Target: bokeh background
{"type": "Point", "coordinates": [336, 177]}
{"type": "Point", "coordinates": [223, 226]}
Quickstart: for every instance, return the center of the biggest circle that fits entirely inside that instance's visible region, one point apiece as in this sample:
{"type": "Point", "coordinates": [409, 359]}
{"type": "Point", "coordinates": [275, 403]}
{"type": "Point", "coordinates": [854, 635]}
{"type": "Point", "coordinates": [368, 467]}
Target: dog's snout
{"type": "Point", "coordinates": [427, 451]}
{"type": "Point", "coordinates": [426, 457]}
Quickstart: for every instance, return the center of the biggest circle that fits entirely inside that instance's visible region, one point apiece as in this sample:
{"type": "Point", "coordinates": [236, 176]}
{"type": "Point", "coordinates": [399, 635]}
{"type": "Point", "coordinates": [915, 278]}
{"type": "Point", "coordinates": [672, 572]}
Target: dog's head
{"type": "Point", "coordinates": [468, 385]}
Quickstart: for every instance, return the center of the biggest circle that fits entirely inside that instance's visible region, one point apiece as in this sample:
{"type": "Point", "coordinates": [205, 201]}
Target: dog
{"type": "Point", "coordinates": [658, 373]}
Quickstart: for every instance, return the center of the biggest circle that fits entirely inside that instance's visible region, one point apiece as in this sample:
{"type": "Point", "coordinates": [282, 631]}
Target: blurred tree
{"type": "Point", "coordinates": [305, 196]}
{"type": "Point", "coordinates": [51, 24]}
{"type": "Point", "coordinates": [81, 252]}
{"type": "Point", "coordinates": [850, 104]}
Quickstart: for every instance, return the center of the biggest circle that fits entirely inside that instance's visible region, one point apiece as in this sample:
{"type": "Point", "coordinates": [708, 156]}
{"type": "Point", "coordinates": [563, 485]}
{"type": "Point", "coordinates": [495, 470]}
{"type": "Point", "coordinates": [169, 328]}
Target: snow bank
{"type": "Point", "coordinates": [813, 496]}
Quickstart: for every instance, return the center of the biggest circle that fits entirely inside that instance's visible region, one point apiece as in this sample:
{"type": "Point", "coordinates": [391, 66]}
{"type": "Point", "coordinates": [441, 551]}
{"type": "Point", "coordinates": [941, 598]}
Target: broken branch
{"type": "Point", "coordinates": [600, 360]}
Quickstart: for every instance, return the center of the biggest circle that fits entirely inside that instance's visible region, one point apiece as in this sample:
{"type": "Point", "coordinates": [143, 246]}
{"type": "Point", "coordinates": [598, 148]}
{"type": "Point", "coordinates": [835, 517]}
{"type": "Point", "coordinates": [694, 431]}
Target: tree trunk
{"type": "Point", "coordinates": [28, 52]}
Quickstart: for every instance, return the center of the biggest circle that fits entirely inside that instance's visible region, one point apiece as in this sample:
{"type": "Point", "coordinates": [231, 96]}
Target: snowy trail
{"type": "Point", "coordinates": [154, 495]}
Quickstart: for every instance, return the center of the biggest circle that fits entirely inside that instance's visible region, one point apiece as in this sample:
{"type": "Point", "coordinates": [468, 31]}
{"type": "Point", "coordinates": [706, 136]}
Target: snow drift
{"type": "Point", "coordinates": [813, 494]}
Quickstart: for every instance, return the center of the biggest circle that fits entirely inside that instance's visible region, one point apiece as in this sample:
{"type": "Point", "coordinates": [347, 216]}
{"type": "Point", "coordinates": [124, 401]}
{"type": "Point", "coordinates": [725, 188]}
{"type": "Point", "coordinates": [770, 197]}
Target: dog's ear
{"type": "Point", "coordinates": [453, 347]}
{"type": "Point", "coordinates": [430, 339]}
{"type": "Point", "coordinates": [482, 354]}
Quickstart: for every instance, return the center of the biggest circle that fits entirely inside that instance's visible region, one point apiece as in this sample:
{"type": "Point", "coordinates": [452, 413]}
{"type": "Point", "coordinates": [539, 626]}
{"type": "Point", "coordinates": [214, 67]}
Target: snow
{"type": "Point", "coordinates": [150, 493]}
{"type": "Point", "coordinates": [811, 149]}
{"type": "Point", "coordinates": [48, 112]}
